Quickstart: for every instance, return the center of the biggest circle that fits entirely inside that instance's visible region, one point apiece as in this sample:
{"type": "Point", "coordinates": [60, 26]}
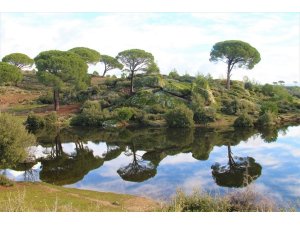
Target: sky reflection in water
{"type": "Point", "coordinates": [175, 167]}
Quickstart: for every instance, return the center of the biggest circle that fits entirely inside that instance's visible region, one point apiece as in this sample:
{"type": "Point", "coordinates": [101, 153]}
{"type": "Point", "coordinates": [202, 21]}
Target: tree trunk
{"type": "Point", "coordinates": [104, 72]}
{"type": "Point", "coordinates": [131, 83]}
{"type": "Point", "coordinates": [228, 77]}
{"type": "Point", "coordinates": [230, 158]}
{"type": "Point", "coordinates": [56, 99]}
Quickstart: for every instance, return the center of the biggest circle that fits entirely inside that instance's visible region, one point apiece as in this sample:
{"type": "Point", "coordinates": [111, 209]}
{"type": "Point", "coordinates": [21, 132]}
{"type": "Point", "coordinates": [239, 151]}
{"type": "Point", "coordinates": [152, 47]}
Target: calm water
{"type": "Point", "coordinates": [155, 162]}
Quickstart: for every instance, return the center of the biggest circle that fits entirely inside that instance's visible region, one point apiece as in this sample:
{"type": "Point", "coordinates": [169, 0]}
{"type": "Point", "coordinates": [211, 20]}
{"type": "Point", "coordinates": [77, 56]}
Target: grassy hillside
{"type": "Point", "coordinates": [107, 102]}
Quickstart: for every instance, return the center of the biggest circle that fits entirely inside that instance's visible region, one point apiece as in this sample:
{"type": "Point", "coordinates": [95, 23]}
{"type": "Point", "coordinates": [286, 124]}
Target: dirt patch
{"type": "Point", "coordinates": [15, 96]}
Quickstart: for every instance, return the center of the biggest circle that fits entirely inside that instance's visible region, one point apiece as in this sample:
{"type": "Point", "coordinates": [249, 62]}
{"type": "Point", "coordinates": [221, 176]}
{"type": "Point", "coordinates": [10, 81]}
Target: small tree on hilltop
{"type": "Point", "coordinates": [110, 63]}
{"type": "Point", "coordinates": [234, 53]}
{"type": "Point", "coordinates": [135, 60]}
{"type": "Point", "coordinates": [19, 60]}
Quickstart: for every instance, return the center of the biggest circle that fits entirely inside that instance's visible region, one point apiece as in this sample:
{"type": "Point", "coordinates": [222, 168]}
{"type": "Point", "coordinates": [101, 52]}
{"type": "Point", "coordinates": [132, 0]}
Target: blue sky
{"type": "Point", "coordinates": [177, 40]}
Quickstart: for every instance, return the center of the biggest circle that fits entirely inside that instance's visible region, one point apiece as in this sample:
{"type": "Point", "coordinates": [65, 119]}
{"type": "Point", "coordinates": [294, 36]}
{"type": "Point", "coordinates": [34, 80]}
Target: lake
{"type": "Point", "coordinates": [155, 162]}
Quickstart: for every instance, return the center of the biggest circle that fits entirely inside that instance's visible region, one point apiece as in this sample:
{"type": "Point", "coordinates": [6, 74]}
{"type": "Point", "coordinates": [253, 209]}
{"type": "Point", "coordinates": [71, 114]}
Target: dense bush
{"type": "Point", "coordinates": [269, 107]}
{"type": "Point", "coordinates": [238, 106]}
{"type": "Point", "coordinates": [124, 113]}
{"type": "Point", "coordinates": [243, 120]}
{"type": "Point", "coordinates": [157, 108]}
{"type": "Point", "coordinates": [34, 122]}
{"type": "Point", "coordinates": [205, 115]}
{"type": "Point", "coordinates": [180, 117]}
{"type": "Point", "coordinates": [174, 74]}
{"type": "Point", "coordinates": [266, 119]}
{"type": "Point", "coordinates": [46, 98]}
{"type": "Point", "coordinates": [51, 119]}
{"type": "Point", "coordinates": [91, 115]}
{"type": "Point", "coordinates": [230, 107]}
{"type": "Point", "coordinates": [14, 140]}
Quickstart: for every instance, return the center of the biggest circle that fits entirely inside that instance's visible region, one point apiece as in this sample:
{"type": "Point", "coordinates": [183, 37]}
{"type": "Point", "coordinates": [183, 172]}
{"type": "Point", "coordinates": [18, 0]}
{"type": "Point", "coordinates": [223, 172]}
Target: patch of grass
{"type": "Point", "coordinates": [26, 108]}
{"type": "Point", "coordinates": [40, 197]}
{"type": "Point", "coordinates": [4, 181]}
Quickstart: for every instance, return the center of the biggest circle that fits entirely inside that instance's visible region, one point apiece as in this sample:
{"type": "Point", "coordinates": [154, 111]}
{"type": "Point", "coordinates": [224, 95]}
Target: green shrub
{"type": "Point", "coordinates": [180, 117]}
{"type": "Point", "coordinates": [266, 119]}
{"type": "Point", "coordinates": [230, 107]}
{"type": "Point", "coordinates": [174, 74]}
{"type": "Point", "coordinates": [34, 122]}
{"type": "Point", "coordinates": [238, 106]}
{"type": "Point", "coordinates": [205, 115]}
{"type": "Point", "coordinates": [91, 115]}
{"type": "Point", "coordinates": [14, 140]}
{"type": "Point", "coordinates": [268, 90]}
{"type": "Point", "coordinates": [269, 106]}
{"type": "Point", "coordinates": [46, 98]}
{"type": "Point", "coordinates": [124, 113]}
{"type": "Point", "coordinates": [198, 202]}
{"type": "Point", "coordinates": [51, 119]}
{"type": "Point", "coordinates": [4, 181]}
{"type": "Point", "coordinates": [157, 108]}
{"type": "Point", "coordinates": [248, 85]}
{"type": "Point", "coordinates": [243, 120]}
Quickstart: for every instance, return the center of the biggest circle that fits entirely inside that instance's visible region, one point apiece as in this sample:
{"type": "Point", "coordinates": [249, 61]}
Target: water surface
{"type": "Point", "coordinates": [156, 162]}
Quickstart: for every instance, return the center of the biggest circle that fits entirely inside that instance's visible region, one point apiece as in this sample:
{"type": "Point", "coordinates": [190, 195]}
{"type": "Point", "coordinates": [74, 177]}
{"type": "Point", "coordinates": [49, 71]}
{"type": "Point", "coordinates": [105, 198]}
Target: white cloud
{"type": "Point", "coordinates": [181, 41]}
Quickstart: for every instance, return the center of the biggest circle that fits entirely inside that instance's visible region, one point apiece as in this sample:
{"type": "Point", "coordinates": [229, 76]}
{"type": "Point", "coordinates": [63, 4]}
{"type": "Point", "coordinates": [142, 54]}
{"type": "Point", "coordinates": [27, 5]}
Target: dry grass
{"type": "Point", "coordinates": [246, 200]}
{"type": "Point", "coordinates": [42, 197]}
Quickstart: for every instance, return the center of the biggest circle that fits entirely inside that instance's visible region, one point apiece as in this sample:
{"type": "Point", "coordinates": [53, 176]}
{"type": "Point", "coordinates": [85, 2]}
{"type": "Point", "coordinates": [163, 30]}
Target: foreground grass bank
{"type": "Point", "coordinates": [40, 197]}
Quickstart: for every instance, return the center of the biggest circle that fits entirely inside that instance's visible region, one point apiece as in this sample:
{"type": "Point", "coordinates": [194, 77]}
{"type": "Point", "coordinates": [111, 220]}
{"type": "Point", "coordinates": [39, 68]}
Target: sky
{"type": "Point", "coordinates": [180, 41]}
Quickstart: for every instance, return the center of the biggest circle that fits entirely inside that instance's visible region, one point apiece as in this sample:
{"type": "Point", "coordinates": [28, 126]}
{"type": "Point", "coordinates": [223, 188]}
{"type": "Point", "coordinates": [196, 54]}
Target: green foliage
{"type": "Point", "coordinates": [230, 107]}
{"type": "Point", "coordinates": [266, 119]}
{"type": "Point", "coordinates": [9, 73]}
{"type": "Point", "coordinates": [91, 115]}
{"type": "Point", "coordinates": [243, 120]}
{"type": "Point", "coordinates": [51, 119]}
{"type": "Point", "coordinates": [235, 52]}
{"type": "Point", "coordinates": [88, 55]}
{"type": "Point", "coordinates": [205, 115]}
{"type": "Point", "coordinates": [124, 113]}
{"type": "Point", "coordinates": [135, 59]}
{"type": "Point", "coordinates": [181, 116]}
{"type": "Point", "coordinates": [46, 98]}
{"type": "Point", "coordinates": [269, 107]}
{"type": "Point", "coordinates": [177, 88]}
{"type": "Point", "coordinates": [200, 86]}
{"type": "Point", "coordinates": [268, 90]}
{"type": "Point", "coordinates": [34, 122]}
{"type": "Point", "coordinates": [174, 74]}
{"type": "Point", "coordinates": [110, 63]}
{"type": "Point", "coordinates": [152, 69]}
{"type": "Point", "coordinates": [13, 141]}
{"type": "Point", "coordinates": [153, 81]}
{"type": "Point", "coordinates": [19, 60]}
{"type": "Point", "coordinates": [198, 202]}
{"type": "Point", "coordinates": [58, 68]}
{"type": "Point", "coordinates": [4, 181]}
{"type": "Point", "coordinates": [238, 106]}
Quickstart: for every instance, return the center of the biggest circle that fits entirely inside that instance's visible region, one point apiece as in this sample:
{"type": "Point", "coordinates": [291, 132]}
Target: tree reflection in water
{"type": "Point", "coordinates": [61, 168]}
{"type": "Point", "coordinates": [154, 144]}
{"type": "Point", "coordinates": [138, 170]}
{"type": "Point", "coordinates": [238, 172]}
